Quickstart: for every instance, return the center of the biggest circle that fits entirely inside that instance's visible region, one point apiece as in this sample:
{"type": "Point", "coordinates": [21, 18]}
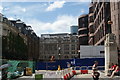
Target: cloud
{"type": "Point", "coordinates": [1, 8]}
{"type": "Point", "coordinates": [24, 10]}
{"type": "Point", "coordinates": [82, 11]}
{"type": "Point", "coordinates": [61, 25]}
{"type": "Point", "coordinates": [56, 4]}
{"type": "Point", "coordinates": [11, 18]}
{"type": "Point", "coordinates": [17, 10]}
{"type": "Point", "coordinates": [85, 0]}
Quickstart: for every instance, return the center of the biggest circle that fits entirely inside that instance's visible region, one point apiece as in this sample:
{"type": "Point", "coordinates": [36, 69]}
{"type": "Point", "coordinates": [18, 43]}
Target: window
{"type": "Point", "coordinates": [83, 19]}
{"type": "Point", "coordinates": [102, 52]}
{"type": "Point", "coordinates": [83, 25]}
{"type": "Point", "coordinates": [45, 57]}
{"type": "Point", "coordinates": [55, 47]}
{"type": "Point", "coordinates": [83, 32]}
{"type": "Point", "coordinates": [102, 14]}
{"type": "Point", "coordinates": [73, 47]}
{"type": "Point", "coordinates": [73, 40]}
{"type": "Point", "coordinates": [118, 5]}
{"type": "Point", "coordinates": [66, 47]}
{"type": "Point", "coordinates": [72, 56]}
{"type": "Point", "coordinates": [73, 52]}
{"type": "Point", "coordinates": [115, 21]}
{"type": "Point", "coordinates": [119, 38]}
{"type": "Point", "coordinates": [114, 5]}
{"type": "Point", "coordinates": [66, 52]}
{"type": "Point", "coordinates": [119, 21]}
{"type": "Point", "coordinates": [66, 57]}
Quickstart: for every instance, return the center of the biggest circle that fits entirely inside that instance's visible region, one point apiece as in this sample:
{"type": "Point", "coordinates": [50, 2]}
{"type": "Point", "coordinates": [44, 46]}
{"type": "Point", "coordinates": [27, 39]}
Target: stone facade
{"type": "Point", "coordinates": [61, 46]}
{"type": "Point", "coordinates": [15, 37]}
{"type": "Point", "coordinates": [111, 55]}
{"type": "Point", "coordinates": [115, 18]}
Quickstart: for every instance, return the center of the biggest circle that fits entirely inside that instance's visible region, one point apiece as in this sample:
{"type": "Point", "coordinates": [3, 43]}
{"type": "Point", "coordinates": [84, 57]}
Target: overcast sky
{"type": "Point", "coordinates": [46, 17]}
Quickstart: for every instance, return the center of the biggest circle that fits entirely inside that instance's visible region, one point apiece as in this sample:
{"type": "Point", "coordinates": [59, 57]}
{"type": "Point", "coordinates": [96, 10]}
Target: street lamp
{"type": "Point", "coordinates": [110, 22]}
{"type": "Point", "coordinates": [59, 52]}
{"type": "Point", "coordinates": [109, 26]}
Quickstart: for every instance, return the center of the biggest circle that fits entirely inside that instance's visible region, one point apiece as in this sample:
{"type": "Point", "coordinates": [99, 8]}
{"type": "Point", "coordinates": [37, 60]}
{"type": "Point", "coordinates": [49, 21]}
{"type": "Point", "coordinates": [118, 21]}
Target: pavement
{"type": "Point", "coordinates": [89, 76]}
{"type": "Point", "coordinates": [47, 74]}
{"type": "Point", "coordinates": [26, 77]}
{"type": "Point", "coordinates": [51, 75]}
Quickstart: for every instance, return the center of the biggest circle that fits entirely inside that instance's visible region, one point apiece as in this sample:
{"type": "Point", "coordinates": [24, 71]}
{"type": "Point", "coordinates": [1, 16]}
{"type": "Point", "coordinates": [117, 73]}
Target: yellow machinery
{"type": "Point", "coordinates": [28, 71]}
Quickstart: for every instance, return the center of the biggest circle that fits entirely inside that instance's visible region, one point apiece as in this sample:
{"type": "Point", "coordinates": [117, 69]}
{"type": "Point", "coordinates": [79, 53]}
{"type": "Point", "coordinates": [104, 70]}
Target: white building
{"type": "Point", "coordinates": [91, 51]}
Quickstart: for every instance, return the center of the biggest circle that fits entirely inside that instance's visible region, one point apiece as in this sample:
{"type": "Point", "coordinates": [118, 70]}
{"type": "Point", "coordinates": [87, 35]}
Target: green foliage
{"type": "Point", "coordinates": [14, 47]}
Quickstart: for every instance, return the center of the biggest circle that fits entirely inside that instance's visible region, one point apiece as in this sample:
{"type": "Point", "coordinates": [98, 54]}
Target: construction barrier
{"type": "Point", "coordinates": [66, 74]}
{"type": "Point", "coordinates": [69, 72]}
{"type": "Point", "coordinates": [84, 69]}
{"type": "Point", "coordinates": [48, 65]}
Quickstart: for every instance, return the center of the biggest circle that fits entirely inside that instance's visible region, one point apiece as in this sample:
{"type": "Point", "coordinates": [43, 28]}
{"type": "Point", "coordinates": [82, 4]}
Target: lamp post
{"type": "Point", "coordinates": [59, 52]}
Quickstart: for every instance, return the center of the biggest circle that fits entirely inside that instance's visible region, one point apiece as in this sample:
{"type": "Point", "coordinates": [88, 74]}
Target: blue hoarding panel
{"type": "Point", "coordinates": [64, 63]}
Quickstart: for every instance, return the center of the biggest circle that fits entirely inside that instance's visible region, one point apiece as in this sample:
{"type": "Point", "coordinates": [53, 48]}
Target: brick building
{"type": "Point", "coordinates": [99, 15]}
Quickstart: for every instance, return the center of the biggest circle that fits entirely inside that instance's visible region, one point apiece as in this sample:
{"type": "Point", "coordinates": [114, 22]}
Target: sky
{"type": "Point", "coordinates": [46, 17]}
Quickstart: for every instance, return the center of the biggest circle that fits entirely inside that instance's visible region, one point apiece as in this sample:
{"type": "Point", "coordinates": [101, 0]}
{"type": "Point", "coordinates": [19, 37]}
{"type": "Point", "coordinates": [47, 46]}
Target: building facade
{"type": "Point", "coordinates": [32, 39]}
{"type": "Point", "coordinates": [61, 46]}
{"type": "Point", "coordinates": [19, 42]}
{"type": "Point", "coordinates": [74, 30]}
{"type": "Point", "coordinates": [99, 15]}
{"type": "Point", "coordinates": [14, 43]}
{"type": "Point", "coordinates": [106, 19]}
{"type": "Point", "coordinates": [115, 18]}
{"type": "Point", "coordinates": [83, 29]}
{"type": "Point", "coordinates": [91, 24]}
